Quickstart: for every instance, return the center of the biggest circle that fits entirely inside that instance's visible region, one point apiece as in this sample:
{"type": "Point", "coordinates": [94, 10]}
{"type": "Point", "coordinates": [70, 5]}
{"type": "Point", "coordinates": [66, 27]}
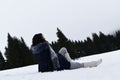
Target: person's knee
{"type": "Point", "coordinates": [63, 50]}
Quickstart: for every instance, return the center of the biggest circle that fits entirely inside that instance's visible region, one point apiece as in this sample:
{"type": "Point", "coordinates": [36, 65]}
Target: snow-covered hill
{"type": "Point", "coordinates": [108, 70]}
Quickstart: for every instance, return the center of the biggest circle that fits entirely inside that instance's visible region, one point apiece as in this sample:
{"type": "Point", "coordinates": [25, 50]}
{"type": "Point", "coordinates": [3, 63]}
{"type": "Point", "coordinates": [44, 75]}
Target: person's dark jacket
{"type": "Point", "coordinates": [43, 55]}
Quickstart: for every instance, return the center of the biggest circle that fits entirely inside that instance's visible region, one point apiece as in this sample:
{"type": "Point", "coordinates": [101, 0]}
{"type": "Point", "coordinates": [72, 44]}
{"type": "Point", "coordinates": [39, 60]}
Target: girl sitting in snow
{"type": "Point", "coordinates": [48, 60]}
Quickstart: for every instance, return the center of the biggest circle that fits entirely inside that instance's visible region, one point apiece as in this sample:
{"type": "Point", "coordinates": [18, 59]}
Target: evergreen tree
{"type": "Point", "coordinates": [90, 47]}
{"type": "Point", "coordinates": [80, 47]}
{"type": "Point", "coordinates": [28, 58]}
{"type": "Point", "coordinates": [104, 43]}
{"type": "Point", "coordinates": [2, 62]}
{"type": "Point", "coordinates": [64, 42]}
{"type": "Point", "coordinates": [62, 39]}
{"type": "Point", "coordinates": [55, 46]}
{"type": "Point", "coordinates": [17, 53]}
{"type": "Point", "coordinates": [99, 44]}
{"type": "Point", "coordinates": [117, 37]}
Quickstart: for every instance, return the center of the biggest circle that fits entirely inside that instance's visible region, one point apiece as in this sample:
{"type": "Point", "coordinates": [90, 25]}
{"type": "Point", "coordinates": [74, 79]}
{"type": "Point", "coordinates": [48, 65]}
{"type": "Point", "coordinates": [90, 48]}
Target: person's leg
{"type": "Point", "coordinates": [76, 65]}
{"type": "Point", "coordinates": [63, 51]}
{"type": "Point", "coordinates": [92, 63]}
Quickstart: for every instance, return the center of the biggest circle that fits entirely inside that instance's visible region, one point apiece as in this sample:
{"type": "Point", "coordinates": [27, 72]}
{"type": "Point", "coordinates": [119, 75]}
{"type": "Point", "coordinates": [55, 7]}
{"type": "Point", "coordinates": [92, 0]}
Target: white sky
{"type": "Point", "coordinates": [76, 18]}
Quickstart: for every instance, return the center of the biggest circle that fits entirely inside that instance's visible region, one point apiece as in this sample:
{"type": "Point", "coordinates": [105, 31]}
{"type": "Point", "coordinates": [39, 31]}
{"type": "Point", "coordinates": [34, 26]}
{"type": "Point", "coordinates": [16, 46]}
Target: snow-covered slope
{"type": "Point", "coordinates": [107, 70]}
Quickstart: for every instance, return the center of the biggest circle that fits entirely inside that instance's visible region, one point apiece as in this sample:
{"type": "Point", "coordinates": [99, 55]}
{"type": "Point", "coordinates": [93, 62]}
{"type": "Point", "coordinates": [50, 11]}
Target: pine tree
{"type": "Point", "coordinates": [55, 46]}
{"type": "Point", "coordinates": [17, 53]}
{"type": "Point", "coordinates": [62, 39]}
{"type": "Point", "coordinates": [27, 54]}
{"type": "Point", "coordinates": [117, 37]}
{"type": "Point", "coordinates": [64, 42]}
{"type": "Point", "coordinates": [2, 62]}
{"type": "Point", "coordinates": [90, 47]}
{"type": "Point", "coordinates": [96, 41]}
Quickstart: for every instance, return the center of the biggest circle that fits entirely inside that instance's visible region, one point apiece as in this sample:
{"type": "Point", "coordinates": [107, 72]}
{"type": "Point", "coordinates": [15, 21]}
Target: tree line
{"type": "Point", "coordinates": [18, 54]}
{"type": "Point", "coordinates": [99, 43]}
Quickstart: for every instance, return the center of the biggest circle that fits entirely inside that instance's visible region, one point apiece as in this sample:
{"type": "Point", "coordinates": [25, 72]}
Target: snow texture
{"type": "Point", "coordinates": [107, 70]}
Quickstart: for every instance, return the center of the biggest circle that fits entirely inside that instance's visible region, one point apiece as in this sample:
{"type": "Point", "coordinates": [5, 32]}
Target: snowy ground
{"type": "Point", "coordinates": [108, 70]}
